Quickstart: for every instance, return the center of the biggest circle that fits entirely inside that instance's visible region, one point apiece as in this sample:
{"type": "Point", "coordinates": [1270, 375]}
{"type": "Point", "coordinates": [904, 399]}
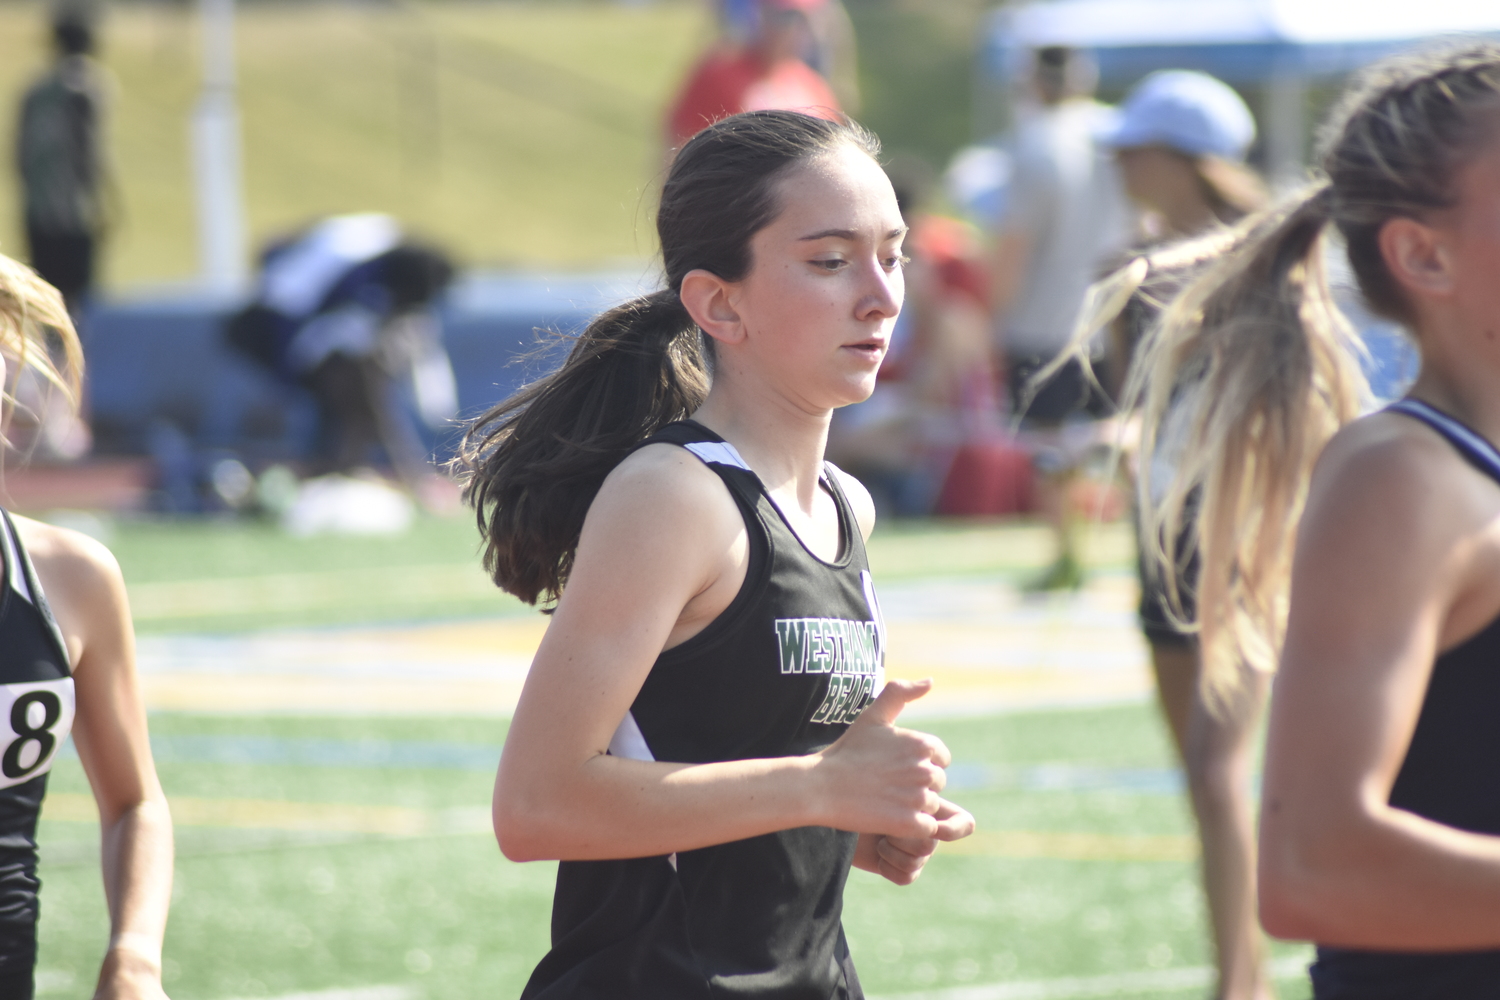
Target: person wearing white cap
{"type": "Point", "coordinates": [1180, 140]}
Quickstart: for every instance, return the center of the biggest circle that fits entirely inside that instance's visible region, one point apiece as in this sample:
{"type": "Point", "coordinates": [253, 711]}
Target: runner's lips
{"type": "Point", "coordinates": [873, 344]}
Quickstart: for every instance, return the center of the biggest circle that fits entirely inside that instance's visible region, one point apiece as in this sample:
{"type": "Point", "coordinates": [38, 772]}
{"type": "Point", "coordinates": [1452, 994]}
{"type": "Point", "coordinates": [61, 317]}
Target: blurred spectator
{"type": "Point", "coordinates": [766, 71]}
{"type": "Point", "coordinates": [60, 155]}
{"type": "Point", "coordinates": [831, 50]}
{"type": "Point", "coordinates": [923, 439]}
{"type": "Point", "coordinates": [1062, 216]}
{"type": "Point", "coordinates": [1181, 139]}
{"type": "Point", "coordinates": [346, 308]}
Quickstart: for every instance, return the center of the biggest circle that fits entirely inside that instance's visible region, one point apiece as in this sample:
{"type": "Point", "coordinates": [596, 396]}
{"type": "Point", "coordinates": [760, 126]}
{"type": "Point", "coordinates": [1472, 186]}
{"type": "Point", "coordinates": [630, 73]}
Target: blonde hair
{"type": "Point", "coordinates": [36, 332]}
{"type": "Point", "coordinates": [1255, 358]}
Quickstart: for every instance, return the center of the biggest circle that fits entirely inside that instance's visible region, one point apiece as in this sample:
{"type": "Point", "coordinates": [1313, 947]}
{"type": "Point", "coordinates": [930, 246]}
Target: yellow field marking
{"type": "Point", "coordinates": [271, 814]}
{"type": "Point", "coordinates": [1008, 653]}
{"type": "Point", "coordinates": [986, 547]}
{"type": "Point", "coordinates": [328, 695]}
{"type": "Point", "coordinates": [401, 821]}
{"type": "Point", "coordinates": [61, 807]}
{"type": "Point", "coordinates": [1076, 846]}
{"type": "Point", "coordinates": [519, 635]}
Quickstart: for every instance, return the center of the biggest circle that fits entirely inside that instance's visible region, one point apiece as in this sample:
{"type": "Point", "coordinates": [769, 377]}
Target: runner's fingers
{"type": "Point", "coordinates": [952, 822]}
{"type": "Point", "coordinates": [896, 875]}
{"type": "Point", "coordinates": [910, 853]}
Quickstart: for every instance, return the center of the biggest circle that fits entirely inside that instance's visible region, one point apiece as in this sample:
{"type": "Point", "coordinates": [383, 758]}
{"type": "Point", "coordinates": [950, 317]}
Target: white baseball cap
{"type": "Point", "coordinates": [1184, 110]}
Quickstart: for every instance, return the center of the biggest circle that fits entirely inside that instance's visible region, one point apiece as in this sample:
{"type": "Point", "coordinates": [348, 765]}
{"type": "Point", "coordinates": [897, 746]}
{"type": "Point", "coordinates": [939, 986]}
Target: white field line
{"type": "Point", "coordinates": [352, 993]}
{"type": "Point", "coordinates": [1120, 984]}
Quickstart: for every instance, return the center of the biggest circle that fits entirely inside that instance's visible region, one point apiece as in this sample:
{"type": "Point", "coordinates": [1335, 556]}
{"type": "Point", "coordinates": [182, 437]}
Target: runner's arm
{"type": "Point", "coordinates": [84, 587]}
{"type": "Point", "coordinates": [1380, 565]}
{"type": "Point", "coordinates": [662, 533]}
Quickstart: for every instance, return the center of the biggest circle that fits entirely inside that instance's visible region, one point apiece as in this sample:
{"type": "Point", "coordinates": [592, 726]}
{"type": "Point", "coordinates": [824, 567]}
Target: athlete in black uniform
{"type": "Point", "coordinates": [783, 670]}
{"type": "Point", "coordinates": [704, 739]}
{"type": "Point", "coordinates": [36, 700]}
{"type": "Point", "coordinates": [67, 666]}
{"type": "Point", "coordinates": [1365, 551]}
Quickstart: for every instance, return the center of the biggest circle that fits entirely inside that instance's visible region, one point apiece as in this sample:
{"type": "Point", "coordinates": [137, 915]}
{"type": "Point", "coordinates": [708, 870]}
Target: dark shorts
{"type": "Point", "coordinates": [64, 260]}
{"type": "Point", "coordinates": [1346, 974]}
{"type": "Point", "coordinates": [1157, 622]}
{"type": "Point", "coordinates": [17, 959]}
{"type": "Point", "coordinates": [1068, 393]}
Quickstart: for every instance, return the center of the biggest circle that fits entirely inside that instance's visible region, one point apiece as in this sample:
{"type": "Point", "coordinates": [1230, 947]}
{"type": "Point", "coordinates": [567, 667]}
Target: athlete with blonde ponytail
{"type": "Point", "coordinates": [1380, 823]}
{"type": "Point", "coordinates": [67, 667]}
{"type": "Point", "coordinates": [704, 738]}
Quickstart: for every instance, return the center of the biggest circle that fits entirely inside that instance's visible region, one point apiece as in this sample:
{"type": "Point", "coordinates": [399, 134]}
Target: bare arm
{"type": "Point", "coordinates": [87, 594]}
{"type": "Point", "coordinates": [1390, 569]}
{"type": "Point", "coordinates": [662, 552]}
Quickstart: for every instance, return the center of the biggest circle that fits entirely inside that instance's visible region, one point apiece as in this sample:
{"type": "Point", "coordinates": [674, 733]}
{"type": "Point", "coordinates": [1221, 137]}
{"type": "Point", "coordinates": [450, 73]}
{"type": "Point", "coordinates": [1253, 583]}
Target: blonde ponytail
{"type": "Point", "coordinates": [1255, 359]}
{"type": "Point", "coordinates": [1244, 374]}
{"type": "Point", "coordinates": [1250, 358]}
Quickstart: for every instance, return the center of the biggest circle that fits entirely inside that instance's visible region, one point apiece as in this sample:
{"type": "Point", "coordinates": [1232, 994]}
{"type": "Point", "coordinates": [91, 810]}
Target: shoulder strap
{"type": "Point", "coordinates": [714, 452]}
{"type": "Point", "coordinates": [1469, 443]}
{"type": "Point", "coordinates": [22, 578]}
{"type": "Point", "coordinates": [708, 446]}
{"type": "Point", "coordinates": [854, 538]}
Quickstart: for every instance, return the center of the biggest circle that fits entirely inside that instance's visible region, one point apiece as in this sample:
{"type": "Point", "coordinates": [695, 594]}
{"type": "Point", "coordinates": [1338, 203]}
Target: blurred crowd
{"type": "Point", "coordinates": [978, 412]}
{"type": "Point", "coordinates": [971, 416]}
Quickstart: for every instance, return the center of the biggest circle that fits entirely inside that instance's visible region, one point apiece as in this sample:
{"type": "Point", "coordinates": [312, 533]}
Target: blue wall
{"type": "Point", "coordinates": [161, 359]}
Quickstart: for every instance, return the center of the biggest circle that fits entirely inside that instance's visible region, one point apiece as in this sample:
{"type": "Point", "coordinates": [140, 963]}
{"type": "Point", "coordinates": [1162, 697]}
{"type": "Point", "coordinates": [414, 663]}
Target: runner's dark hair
{"type": "Point", "coordinates": [532, 465]}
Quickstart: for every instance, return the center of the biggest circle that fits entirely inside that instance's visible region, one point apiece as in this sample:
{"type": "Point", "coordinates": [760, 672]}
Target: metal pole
{"type": "Point", "coordinates": [216, 157]}
{"type": "Point", "coordinates": [1286, 147]}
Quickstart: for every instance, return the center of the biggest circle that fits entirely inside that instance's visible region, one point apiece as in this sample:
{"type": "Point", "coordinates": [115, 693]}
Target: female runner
{"type": "Point", "coordinates": [67, 660]}
{"type": "Point", "coordinates": [1380, 824]}
{"type": "Point", "coordinates": [703, 739]}
{"type": "Point", "coordinates": [1181, 139]}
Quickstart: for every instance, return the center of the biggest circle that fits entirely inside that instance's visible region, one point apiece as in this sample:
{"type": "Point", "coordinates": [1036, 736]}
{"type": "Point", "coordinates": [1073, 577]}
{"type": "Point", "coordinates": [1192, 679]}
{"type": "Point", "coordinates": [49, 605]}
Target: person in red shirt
{"type": "Point", "coordinates": [768, 73]}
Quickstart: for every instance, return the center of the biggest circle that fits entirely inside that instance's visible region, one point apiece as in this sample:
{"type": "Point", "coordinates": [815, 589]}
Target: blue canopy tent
{"type": "Point", "coordinates": [1277, 43]}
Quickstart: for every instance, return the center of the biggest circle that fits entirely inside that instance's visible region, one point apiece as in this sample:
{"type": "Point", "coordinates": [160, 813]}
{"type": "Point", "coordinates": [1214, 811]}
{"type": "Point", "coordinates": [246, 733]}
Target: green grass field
{"type": "Point", "coordinates": [317, 852]}
{"type": "Point", "coordinates": [261, 912]}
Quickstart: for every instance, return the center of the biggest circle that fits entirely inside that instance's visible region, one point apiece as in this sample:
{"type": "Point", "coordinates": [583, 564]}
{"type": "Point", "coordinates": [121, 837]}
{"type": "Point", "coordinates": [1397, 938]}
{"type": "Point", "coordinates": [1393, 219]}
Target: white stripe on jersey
{"type": "Point", "coordinates": [630, 743]}
{"type": "Point", "coordinates": [717, 453]}
{"type": "Point", "coordinates": [13, 570]}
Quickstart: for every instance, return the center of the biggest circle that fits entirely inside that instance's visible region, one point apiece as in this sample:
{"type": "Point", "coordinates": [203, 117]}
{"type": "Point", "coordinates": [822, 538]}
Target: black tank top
{"type": "Point", "coordinates": [36, 714]}
{"type": "Point", "coordinates": [1451, 775]}
{"type": "Point", "coordinates": [782, 671]}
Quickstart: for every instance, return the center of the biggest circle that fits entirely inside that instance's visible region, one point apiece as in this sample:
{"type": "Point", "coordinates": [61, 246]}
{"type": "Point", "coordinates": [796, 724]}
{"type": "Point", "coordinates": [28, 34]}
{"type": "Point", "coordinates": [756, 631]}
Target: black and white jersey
{"type": "Point", "coordinates": [783, 671]}
{"type": "Point", "coordinates": [36, 714]}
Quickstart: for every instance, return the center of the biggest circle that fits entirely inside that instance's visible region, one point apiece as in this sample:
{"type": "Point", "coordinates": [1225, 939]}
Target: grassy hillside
{"type": "Point", "coordinates": [917, 72]}
{"type": "Point", "coordinates": [511, 132]}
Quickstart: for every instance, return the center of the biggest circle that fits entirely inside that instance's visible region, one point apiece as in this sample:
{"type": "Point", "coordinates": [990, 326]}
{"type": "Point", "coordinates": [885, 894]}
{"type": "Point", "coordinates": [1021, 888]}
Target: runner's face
{"type": "Point", "coordinates": [825, 283]}
{"type": "Point", "coordinates": [1473, 229]}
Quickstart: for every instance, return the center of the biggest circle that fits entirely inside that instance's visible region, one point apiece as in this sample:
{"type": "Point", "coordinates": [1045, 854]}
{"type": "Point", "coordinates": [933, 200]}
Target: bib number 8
{"type": "Point", "coordinates": [27, 734]}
